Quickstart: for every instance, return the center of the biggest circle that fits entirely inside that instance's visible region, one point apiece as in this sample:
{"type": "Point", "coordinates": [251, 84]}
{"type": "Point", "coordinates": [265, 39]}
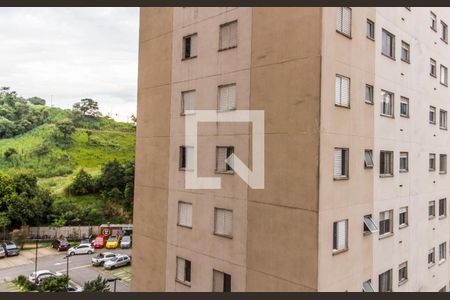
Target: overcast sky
{"type": "Point", "coordinates": [72, 53]}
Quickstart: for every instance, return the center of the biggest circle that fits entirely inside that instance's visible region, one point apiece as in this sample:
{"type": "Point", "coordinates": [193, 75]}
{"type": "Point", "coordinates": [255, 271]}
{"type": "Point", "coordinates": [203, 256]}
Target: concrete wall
{"type": "Point", "coordinates": [65, 231]}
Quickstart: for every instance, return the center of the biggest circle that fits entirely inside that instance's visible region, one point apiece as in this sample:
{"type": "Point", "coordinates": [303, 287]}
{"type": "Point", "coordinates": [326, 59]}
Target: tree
{"type": "Point", "coordinates": [112, 176]}
{"type": "Point", "coordinates": [36, 101]}
{"type": "Point", "coordinates": [9, 152]}
{"type": "Point", "coordinates": [82, 183]}
{"type": "Point", "coordinates": [55, 284]}
{"type": "Point", "coordinates": [97, 285]}
{"type": "Point", "coordinates": [87, 107]}
{"type": "Point", "coordinates": [66, 127]}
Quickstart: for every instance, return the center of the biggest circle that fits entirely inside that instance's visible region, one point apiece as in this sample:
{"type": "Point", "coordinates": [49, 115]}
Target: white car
{"type": "Point", "coordinates": [118, 261]}
{"type": "Point", "coordinates": [81, 249]}
{"type": "Point", "coordinates": [37, 277]}
{"type": "Point", "coordinates": [2, 252]}
{"type": "Point", "coordinates": [101, 258]}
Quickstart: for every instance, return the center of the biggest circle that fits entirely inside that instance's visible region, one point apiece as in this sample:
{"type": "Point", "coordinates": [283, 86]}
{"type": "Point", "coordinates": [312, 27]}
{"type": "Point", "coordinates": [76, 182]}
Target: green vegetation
{"type": "Point", "coordinates": [97, 285]}
{"type": "Point", "coordinates": [78, 165]}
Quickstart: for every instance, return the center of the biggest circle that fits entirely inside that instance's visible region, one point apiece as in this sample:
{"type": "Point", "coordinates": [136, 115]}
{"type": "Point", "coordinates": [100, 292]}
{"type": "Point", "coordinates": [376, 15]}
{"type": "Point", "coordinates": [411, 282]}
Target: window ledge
{"type": "Point", "coordinates": [391, 57]}
{"type": "Point", "coordinates": [444, 41]}
{"type": "Point", "coordinates": [444, 84]}
{"type": "Point", "coordinates": [403, 281]}
{"type": "Point", "coordinates": [184, 226]}
{"type": "Point", "coordinates": [186, 114]}
{"type": "Point", "coordinates": [340, 178]}
{"type": "Point", "coordinates": [370, 38]}
{"type": "Point", "coordinates": [386, 235]}
{"type": "Point", "coordinates": [406, 61]}
{"type": "Point", "coordinates": [442, 172]}
{"type": "Point", "coordinates": [433, 75]}
{"type": "Point", "coordinates": [403, 226]}
{"type": "Point", "coordinates": [403, 171]}
{"type": "Point", "coordinates": [442, 217]}
{"type": "Point", "coordinates": [443, 128]}
{"type": "Point", "coordinates": [225, 172]}
{"type": "Point", "coordinates": [188, 58]}
{"type": "Point", "coordinates": [442, 261]}
{"type": "Point", "coordinates": [434, 123]}
{"type": "Point", "coordinates": [431, 170]}
{"type": "Point", "coordinates": [349, 36]}
{"type": "Point", "coordinates": [431, 265]}
{"type": "Point", "coordinates": [386, 175]}
{"type": "Point", "coordinates": [185, 170]}
{"type": "Point", "coordinates": [387, 116]}
{"type": "Point", "coordinates": [223, 235]}
{"type": "Point", "coordinates": [431, 217]}
{"type": "Point", "coordinates": [227, 48]}
{"type": "Point", "coordinates": [336, 252]}
{"type": "Point", "coordinates": [368, 102]}
{"type": "Point", "coordinates": [405, 116]}
{"type": "Point", "coordinates": [227, 110]}
{"type": "Point", "coordinates": [343, 106]}
{"type": "Point", "coordinates": [183, 282]}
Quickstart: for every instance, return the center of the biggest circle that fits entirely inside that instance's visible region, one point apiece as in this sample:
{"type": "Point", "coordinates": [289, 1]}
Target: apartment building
{"type": "Point", "coordinates": [356, 144]}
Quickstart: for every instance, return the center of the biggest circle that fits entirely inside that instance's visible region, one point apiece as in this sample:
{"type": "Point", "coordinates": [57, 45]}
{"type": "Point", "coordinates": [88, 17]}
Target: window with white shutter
{"type": "Point", "coordinates": [190, 46]}
{"type": "Point", "coordinates": [403, 217]}
{"type": "Point", "coordinates": [442, 252]}
{"type": "Point", "coordinates": [344, 21]}
{"type": "Point", "coordinates": [221, 282]}
{"type": "Point", "coordinates": [432, 162]}
{"type": "Point", "coordinates": [185, 214]}
{"type": "Point", "coordinates": [444, 75]}
{"type": "Point", "coordinates": [433, 67]}
{"type": "Point", "coordinates": [432, 115]}
{"type": "Point", "coordinates": [404, 162]}
{"type": "Point", "coordinates": [342, 91]}
{"type": "Point", "coordinates": [444, 31]}
{"type": "Point", "coordinates": [385, 281]}
{"type": "Point", "coordinates": [431, 209]}
{"type": "Point", "coordinates": [442, 163]}
{"type": "Point", "coordinates": [222, 153]}
{"type": "Point", "coordinates": [442, 207]}
{"type": "Point", "coordinates": [431, 257]}
{"type": "Point", "coordinates": [187, 101]}
{"type": "Point", "coordinates": [228, 35]}
{"type": "Point", "coordinates": [386, 163]}
{"type": "Point", "coordinates": [223, 222]}
{"type": "Point", "coordinates": [402, 272]}
{"type": "Point", "coordinates": [341, 163]}
{"type": "Point", "coordinates": [227, 97]}
{"type": "Point", "coordinates": [386, 222]}
{"type": "Point", "coordinates": [442, 119]}
{"type": "Point", "coordinates": [183, 271]}
{"type": "Point", "coordinates": [186, 158]}
{"type": "Point", "coordinates": [387, 44]}
{"type": "Point", "coordinates": [340, 235]}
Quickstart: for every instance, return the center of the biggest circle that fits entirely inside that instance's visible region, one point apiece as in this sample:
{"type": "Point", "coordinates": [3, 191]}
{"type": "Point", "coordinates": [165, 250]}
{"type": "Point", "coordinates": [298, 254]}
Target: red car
{"type": "Point", "coordinates": [100, 241]}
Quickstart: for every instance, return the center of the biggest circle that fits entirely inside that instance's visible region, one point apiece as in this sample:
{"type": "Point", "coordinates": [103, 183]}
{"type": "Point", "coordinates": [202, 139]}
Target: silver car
{"type": "Point", "coordinates": [125, 242]}
{"type": "Point", "coordinates": [2, 252]}
{"type": "Point", "coordinates": [101, 258]}
{"type": "Point", "coordinates": [118, 261]}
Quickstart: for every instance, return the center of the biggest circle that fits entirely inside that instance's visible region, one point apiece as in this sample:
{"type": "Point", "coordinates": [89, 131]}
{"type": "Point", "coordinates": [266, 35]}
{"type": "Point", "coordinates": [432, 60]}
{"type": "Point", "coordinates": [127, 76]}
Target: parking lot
{"type": "Point", "coordinates": [80, 268]}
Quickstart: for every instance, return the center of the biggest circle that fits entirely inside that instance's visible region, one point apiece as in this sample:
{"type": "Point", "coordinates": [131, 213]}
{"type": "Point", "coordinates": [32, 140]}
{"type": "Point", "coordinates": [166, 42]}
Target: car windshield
{"type": "Point", "coordinates": [114, 258]}
{"type": "Point", "coordinates": [100, 255]}
{"type": "Point", "coordinates": [126, 239]}
{"type": "Point", "coordinates": [11, 246]}
{"type": "Point", "coordinates": [112, 239]}
{"type": "Point", "coordinates": [99, 240]}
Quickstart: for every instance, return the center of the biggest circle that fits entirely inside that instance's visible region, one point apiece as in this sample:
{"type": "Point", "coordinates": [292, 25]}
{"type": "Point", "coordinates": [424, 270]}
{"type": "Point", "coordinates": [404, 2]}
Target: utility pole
{"type": "Point", "coordinates": [36, 257]}
{"type": "Point", "coordinates": [67, 270]}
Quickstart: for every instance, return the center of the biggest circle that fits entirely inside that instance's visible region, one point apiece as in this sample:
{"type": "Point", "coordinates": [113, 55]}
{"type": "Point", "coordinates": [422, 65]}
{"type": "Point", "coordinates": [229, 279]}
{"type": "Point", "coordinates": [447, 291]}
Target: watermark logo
{"type": "Point", "coordinates": [254, 178]}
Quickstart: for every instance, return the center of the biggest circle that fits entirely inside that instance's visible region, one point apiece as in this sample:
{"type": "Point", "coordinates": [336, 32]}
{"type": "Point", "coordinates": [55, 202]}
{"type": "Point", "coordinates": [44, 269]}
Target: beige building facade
{"type": "Point", "coordinates": [348, 96]}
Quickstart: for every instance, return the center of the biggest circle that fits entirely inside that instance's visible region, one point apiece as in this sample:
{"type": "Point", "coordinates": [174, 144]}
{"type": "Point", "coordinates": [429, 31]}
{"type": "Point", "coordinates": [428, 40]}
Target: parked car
{"type": "Point", "coordinates": [99, 242]}
{"type": "Point", "coordinates": [61, 244]}
{"type": "Point", "coordinates": [81, 249]}
{"type": "Point", "coordinates": [125, 242]}
{"type": "Point", "coordinates": [85, 241]}
{"type": "Point", "coordinates": [112, 243]}
{"type": "Point", "coordinates": [101, 258]}
{"type": "Point", "coordinates": [37, 277]}
{"type": "Point", "coordinates": [118, 261]}
{"type": "Point", "coordinates": [10, 249]}
{"type": "Point", "coordinates": [2, 252]}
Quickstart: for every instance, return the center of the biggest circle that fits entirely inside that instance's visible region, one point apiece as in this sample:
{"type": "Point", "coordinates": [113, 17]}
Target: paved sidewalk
{"type": "Point", "coordinates": [25, 257]}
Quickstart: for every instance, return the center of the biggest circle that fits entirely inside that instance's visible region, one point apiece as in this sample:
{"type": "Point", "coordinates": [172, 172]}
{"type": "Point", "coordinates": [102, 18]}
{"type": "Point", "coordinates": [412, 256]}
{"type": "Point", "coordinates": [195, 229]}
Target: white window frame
{"type": "Point", "coordinates": [341, 163]}
{"type": "Point", "coordinates": [443, 119]}
{"type": "Point", "coordinates": [181, 271]}
{"type": "Point", "coordinates": [405, 50]}
{"type": "Point", "coordinates": [443, 76]}
{"type": "Point", "coordinates": [444, 32]}
{"type": "Point", "coordinates": [432, 204]}
{"type": "Point", "coordinates": [431, 262]}
{"type": "Point", "coordinates": [223, 222]}
{"type": "Point", "coordinates": [218, 282]}
{"type": "Point", "coordinates": [403, 210]}
{"type": "Point", "coordinates": [387, 215]}
{"type": "Point", "coordinates": [387, 103]}
{"type": "Point", "coordinates": [442, 214]}
{"type": "Point", "coordinates": [432, 112]}
{"type": "Point", "coordinates": [193, 46]}
{"type": "Point", "coordinates": [187, 96]}
{"type": "Point", "coordinates": [442, 252]}
{"type": "Point", "coordinates": [404, 101]}
{"type": "Point", "coordinates": [391, 51]}
{"type": "Point", "coordinates": [433, 68]}
{"type": "Point", "coordinates": [402, 270]}
{"type": "Point", "coordinates": [388, 285]}
{"type": "Point", "coordinates": [342, 91]}
{"type": "Point", "coordinates": [340, 236]}
{"type": "Point", "coordinates": [386, 163]}
{"type": "Point", "coordinates": [227, 93]}
{"type": "Point", "coordinates": [370, 29]}
{"type": "Point", "coordinates": [369, 225]}
{"type": "Point", "coordinates": [184, 214]}
{"type": "Point", "coordinates": [442, 163]}
{"type": "Point", "coordinates": [189, 153]}
{"type": "Point", "coordinates": [222, 166]}
{"type": "Point", "coordinates": [368, 159]}
{"type": "Point", "coordinates": [433, 19]}
{"type": "Point", "coordinates": [404, 167]}
{"type": "Point", "coordinates": [432, 162]}
{"type": "Point", "coordinates": [228, 35]}
{"type": "Point", "coordinates": [368, 94]}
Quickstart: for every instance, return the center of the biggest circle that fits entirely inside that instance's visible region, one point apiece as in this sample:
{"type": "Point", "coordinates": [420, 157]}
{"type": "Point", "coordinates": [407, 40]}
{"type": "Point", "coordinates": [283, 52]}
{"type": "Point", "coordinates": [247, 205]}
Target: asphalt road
{"type": "Point", "coordinates": [80, 268]}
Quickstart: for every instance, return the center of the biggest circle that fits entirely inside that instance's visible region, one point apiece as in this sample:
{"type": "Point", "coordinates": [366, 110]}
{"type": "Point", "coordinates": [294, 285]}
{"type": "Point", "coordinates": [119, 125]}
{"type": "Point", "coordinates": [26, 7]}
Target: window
{"type": "Point", "coordinates": [185, 214]}
{"type": "Point", "coordinates": [222, 154]}
{"type": "Point", "coordinates": [187, 101]}
{"type": "Point", "coordinates": [442, 119]}
{"type": "Point", "coordinates": [387, 103]}
{"type": "Point", "coordinates": [432, 162]}
{"type": "Point", "coordinates": [431, 209]}
{"type": "Point", "coordinates": [405, 52]}
{"type": "Point", "coordinates": [404, 107]}
{"type": "Point", "coordinates": [432, 67]}
{"type": "Point", "coordinates": [367, 286]}
{"type": "Point", "coordinates": [403, 217]}
{"type": "Point", "coordinates": [388, 44]}
{"type": "Point", "coordinates": [228, 35]}
{"type": "Point", "coordinates": [370, 28]}
{"type": "Point", "coordinates": [183, 271]}
{"type": "Point", "coordinates": [442, 207]}
{"type": "Point", "coordinates": [190, 46]}
{"type": "Point", "coordinates": [227, 97]}
{"type": "Point", "coordinates": [368, 159]}
{"type": "Point", "coordinates": [444, 75]}
{"type": "Point", "coordinates": [223, 222]}
{"type": "Point", "coordinates": [342, 91]}
{"type": "Point", "coordinates": [402, 272]}
{"type": "Point", "coordinates": [431, 257]}
{"type": "Point", "coordinates": [433, 18]}
{"type": "Point", "coordinates": [442, 163]}
{"type": "Point", "coordinates": [432, 115]}
{"type": "Point", "coordinates": [344, 20]}
{"type": "Point", "coordinates": [386, 222]}
{"type": "Point", "coordinates": [369, 225]}
{"type": "Point", "coordinates": [385, 281]}
{"type": "Point", "coordinates": [386, 163]}
{"type": "Point", "coordinates": [340, 242]}
{"type": "Point", "coordinates": [186, 157]}
{"type": "Point", "coordinates": [404, 162]}
{"type": "Point", "coordinates": [341, 163]}
{"type": "Point", "coordinates": [221, 281]}
{"type": "Point", "coordinates": [442, 252]}
{"type": "Point", "coordinates": [444, 32]}
{"type": "Point", "coordinates": [369, 94]}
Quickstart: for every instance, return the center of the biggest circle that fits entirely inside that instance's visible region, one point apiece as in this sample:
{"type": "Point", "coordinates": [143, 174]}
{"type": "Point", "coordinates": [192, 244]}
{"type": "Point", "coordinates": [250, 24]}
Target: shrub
{"type": "Point", "coordinates": [82, 183]}
{"type": "Point", "coordinates": [97, 285]}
